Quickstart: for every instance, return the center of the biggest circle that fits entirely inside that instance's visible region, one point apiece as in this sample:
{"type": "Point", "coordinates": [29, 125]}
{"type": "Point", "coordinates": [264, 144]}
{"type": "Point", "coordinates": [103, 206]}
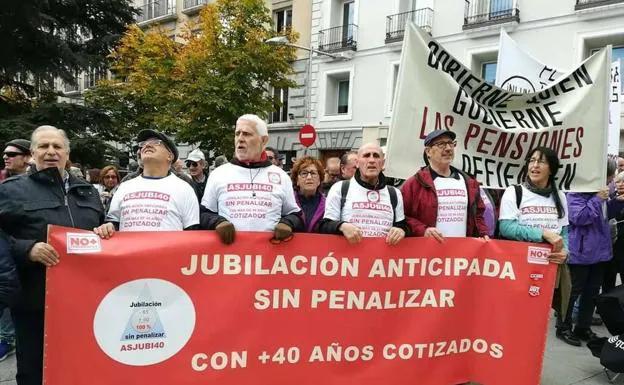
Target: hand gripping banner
{"type": "Point", "coordinates": [181, 308]}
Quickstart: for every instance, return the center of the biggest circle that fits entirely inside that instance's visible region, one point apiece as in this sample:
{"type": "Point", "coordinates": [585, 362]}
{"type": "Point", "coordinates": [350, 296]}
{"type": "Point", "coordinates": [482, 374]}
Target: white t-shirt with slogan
{"type": "Point", "coordinates": [452, 196]}
{"type": "Point", "coordinates": [252, 199]}
{"type": "Point", "coordinates": [369, 210]}
{"type": "Point", "coordinates": [535, 210]}
{"type": "Point", "coordinates": [146, 204]}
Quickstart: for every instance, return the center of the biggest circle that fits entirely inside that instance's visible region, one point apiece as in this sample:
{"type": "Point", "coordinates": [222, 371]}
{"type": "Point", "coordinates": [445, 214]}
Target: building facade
{"type": "Point", "coordinates": [352, 97]}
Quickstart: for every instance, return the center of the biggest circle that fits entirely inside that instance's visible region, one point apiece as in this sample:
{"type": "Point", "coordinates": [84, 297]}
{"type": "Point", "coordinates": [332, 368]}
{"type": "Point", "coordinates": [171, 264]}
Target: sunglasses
{"type": "Point", "coordinates": [11, 154]}
{"type": "Point", "coordinates": [110, 177]}
{"type": "Point", "coordinates": [191, 164]}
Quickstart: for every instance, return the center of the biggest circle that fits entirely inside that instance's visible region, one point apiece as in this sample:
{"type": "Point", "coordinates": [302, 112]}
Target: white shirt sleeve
{"type": "Point", "coordinates": [333, 210]}
{"type": "Point", "coordinates": [289, 205]}
{"type": "Point", "coordinates": [190, 207]}
{"type": "Point", "coordinates": [114, 211]}
{"type": "Point", "coordinates": [508, 207]}
{"type": "Point", "coordinates": [564, 203]}
{"type": "Point", "coordinates": [399, 213]}
{"type": "Point", "coordinates": [210, 200]}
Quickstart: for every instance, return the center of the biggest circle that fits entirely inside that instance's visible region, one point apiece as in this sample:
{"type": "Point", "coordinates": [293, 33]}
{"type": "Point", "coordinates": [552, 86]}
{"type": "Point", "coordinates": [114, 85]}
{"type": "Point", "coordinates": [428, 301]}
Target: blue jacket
{"type": "Point", "coordinates": [589, 233]}
{"type": "Point", "coordinates": [9, 282]}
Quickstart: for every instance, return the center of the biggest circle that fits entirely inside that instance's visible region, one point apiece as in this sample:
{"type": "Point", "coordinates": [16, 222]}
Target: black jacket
{"type": "Point", "coordinates": [9, 283]}
{"type": "Point", "coordinates": [209, 220]}
{"type": "Point", "coordinates": [28, 204]}
{"type": "Point", "coordinates": [200, 187]}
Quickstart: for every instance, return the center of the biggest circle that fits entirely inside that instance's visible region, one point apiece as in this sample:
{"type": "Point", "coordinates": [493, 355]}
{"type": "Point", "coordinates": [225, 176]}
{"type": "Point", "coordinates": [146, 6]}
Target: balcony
{"type": "Point", "coordinates": [157, 11]}
{"type": "Point", "coordinates": [395, 24]}
{"type": "Point", "coordinates": [341, 38]}
{"type": "Point", "coordinates": [194, 6]}
{"type": "Point", "coordinates": [585, 4]}
{"type": "Point", "coordinates": [483, 13]}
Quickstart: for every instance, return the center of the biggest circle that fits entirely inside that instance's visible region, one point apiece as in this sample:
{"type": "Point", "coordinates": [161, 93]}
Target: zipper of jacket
{"type": "Point", "coordinates": [71, 218]}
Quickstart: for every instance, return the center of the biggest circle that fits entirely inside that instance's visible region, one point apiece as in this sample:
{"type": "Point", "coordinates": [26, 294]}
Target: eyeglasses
{"type": "Point", "coordinates": [151, 142]}
{"type": "Point", "coordinates": [442, 145]}
{"type": "Point", "coordinates": [536, 161]}
{"type": "Point", "coordinates": [305, 173]}
{"type": "Point", "coordinates": [11, 154]}
{"type": "Point", "coordinates": [110, 177]}
{"type": "Point", "coordinates": [190, 163]}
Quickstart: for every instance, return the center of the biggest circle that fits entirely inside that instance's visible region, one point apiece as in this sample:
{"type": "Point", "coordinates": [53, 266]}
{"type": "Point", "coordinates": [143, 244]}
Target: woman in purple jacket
{"type": "Point", "coordinates": [307, 174]}
{"type": "Point", "coordinates": [590, 246]}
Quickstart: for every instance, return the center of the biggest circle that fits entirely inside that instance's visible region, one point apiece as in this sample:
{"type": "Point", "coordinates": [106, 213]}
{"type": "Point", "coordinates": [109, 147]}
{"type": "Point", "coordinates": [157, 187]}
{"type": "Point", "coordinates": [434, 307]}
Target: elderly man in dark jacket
{"type": "Point", "coordinates": [47, 195]}
{"type": "Point", "coordinates": [9, 283]}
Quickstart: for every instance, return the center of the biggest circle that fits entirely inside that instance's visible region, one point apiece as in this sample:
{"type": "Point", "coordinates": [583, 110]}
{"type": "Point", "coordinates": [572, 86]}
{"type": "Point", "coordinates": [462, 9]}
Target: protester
{"type": "Point", "coordinates": [220, 161]}
{"type": "Point", "coordinates": [178, 166]}
{"type": "Point", "coordinates": [196, 163]}
{"type": "Point", "coordinates": [616, 265]}
{"type": "Point", "coordinates": [364, 206]}
{"type": "Point", "coordinates": [620, 164]}
{"type": "Point", "coordinates": [590, 245]}
{"type": "Point", "coordinates": [306, 176]}
{"type": "Point", "coordinates": [274, 156]}
{"type": "Point", "coordinates": [93, 176]}
{"type": "Point", "coordinates": [9, 291]}
{"type": "Point", "coordinates": [109, 179]}
{"type": "Point", "coordinates": [348, 165]}
{"type": "Point", "coordinates": [48, 195]}
{"type": "Point", "coordinates": [250, 193]}
{"type": "Point", "coordinates": [157, 200]}
{"type": "Point", "coordinates": [332, 174]}
{"type": "Point", "coordinates": [490, 216]}
{"type": "Point", "coordinates": [16, 157]}
{"type": "Point", "coordinates": [546, 220]}
{"type": "Point", "coordinates": [440, 200]}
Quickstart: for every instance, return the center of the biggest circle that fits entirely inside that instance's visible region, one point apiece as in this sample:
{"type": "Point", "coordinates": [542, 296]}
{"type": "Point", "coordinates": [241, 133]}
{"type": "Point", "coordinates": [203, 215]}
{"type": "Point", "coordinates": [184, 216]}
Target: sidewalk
{"type": "Point", "coordinates": [563, 364]}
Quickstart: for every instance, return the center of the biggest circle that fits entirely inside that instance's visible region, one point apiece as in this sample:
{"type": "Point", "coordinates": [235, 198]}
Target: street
{"type": "Point", "coordinates": [563, 364]}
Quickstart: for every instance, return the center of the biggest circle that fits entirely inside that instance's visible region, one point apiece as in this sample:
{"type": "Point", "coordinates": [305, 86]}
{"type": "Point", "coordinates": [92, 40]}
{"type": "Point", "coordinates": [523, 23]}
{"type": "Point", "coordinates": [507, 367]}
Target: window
{"type": "Point", "coordinates": [616, 53]}
{"type": "Point", "coordinates": [283, 19]}
{"type": "Point", "coordinates": [393, 80]}
{"type": "Point", "coordinates": [338, 92]}
{"type": "Point", "coordinates": [93, 76]}
{"type": "Point", "coordinates": [488, 72]}
{"type": "Point", "coordinates": [343, 96]}
{"type": "Point", "coordinates": [347, 20]}
{"type": "Point", "coordinates": [280, 98]}
{"type": "Point", "coordinates": [500, 8]}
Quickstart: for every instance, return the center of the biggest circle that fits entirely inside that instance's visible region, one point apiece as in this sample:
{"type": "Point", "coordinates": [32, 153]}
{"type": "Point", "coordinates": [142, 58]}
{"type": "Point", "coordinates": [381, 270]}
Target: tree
{"type": "Point", "coordinates": [196, 90]}
{"type": "Point", "coordinates": [44, 40]}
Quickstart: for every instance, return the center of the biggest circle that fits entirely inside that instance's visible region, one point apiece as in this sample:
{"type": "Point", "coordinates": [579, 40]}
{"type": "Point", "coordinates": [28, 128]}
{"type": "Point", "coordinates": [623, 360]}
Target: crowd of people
{"type": "Point", "coordinates": [348, 197]}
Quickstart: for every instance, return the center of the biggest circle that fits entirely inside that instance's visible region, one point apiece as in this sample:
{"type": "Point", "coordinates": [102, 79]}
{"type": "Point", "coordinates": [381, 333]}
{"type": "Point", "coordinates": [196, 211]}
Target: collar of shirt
{"type": "Point", "coordinates": [454, 174]}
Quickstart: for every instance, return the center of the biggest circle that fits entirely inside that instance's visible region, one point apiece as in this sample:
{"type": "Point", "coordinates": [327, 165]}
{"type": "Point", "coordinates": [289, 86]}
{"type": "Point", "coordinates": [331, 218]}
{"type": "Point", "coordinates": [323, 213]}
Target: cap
{"type": "Point", "coordinates": [196, 155]}
{"type": "Point", "coordinates": [146, 134]}
{"type": "Point", "coordinates": [433, 135]}
{"type": "Point", "coordinates": [22, 144]}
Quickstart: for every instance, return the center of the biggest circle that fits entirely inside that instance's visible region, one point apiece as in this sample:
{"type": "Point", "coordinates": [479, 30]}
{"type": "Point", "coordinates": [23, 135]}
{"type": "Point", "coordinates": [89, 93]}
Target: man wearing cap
{"type": "Point", "coordinates": [196, 163]}
{"type": "Point", "coordinates": [250, 193]}
{"type": "Point", "coordinates": [364, 206]}
{"type": "Point", "coordinates": [157, 200]}
{"type": "Point", "coordinates": [440, 200]}
{"type": "Point", "coordinates": [47, 195]}
{"type": "Point", "coordinates": [16, 157]}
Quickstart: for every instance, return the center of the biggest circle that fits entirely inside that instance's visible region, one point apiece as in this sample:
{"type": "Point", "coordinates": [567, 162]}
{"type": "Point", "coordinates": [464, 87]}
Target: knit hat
{"type": "Point", "coordinates": [22, 144]}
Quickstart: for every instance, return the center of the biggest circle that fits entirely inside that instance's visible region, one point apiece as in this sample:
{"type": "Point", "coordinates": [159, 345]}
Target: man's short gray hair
{"type": "Point", "coordinates": [261, 126]}
{"type": "Point", "coordinates": [33, 142]}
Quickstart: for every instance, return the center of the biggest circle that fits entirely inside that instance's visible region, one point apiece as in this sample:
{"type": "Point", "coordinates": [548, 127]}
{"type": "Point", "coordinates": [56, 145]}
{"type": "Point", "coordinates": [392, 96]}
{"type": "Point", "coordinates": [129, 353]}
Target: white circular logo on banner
{"type": "Point", "coordinates": [144, 322]}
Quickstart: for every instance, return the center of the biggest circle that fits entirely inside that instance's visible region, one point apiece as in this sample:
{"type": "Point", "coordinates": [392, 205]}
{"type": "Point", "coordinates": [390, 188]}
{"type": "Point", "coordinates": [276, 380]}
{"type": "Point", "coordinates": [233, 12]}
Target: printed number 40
{"type": "Point", "coordinates": [292, 356]}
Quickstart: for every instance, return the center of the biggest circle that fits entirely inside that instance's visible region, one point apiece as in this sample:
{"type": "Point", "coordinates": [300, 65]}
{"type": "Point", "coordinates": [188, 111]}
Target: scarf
{"type": "Point", "coordinates": [543, 191]}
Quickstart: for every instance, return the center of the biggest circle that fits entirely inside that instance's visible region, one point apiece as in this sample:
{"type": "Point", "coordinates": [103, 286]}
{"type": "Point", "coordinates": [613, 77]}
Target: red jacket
{"type": "Point", "coordinates": [420, 202]}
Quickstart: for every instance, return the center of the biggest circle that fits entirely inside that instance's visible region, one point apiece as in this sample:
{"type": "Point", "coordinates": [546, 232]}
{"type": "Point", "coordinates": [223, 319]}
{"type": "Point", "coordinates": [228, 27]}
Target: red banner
{"type": "Point", "coordinates": [181, 308]}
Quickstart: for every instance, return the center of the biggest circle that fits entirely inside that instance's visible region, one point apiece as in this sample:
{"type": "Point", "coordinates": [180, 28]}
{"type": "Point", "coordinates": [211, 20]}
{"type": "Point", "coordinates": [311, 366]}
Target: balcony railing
{"type": "Point", "coordinates": [157, 10]}
{"type": "Point", "coordinates": [584, 4]}
{"type": "Point", "coordinates": [395, 24]}
{"type": "Point", "coordinates": [481, 13]}
{"type": "Point", "coordinates": [193, 6]}
{"type": "Point", "coordinates": [339, 38]}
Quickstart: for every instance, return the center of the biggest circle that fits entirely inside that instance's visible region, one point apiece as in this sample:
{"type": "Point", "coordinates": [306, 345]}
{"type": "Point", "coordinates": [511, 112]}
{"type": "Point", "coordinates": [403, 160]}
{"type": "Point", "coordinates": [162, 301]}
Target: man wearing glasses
{"type": "Point", "coordinates": [440, 200]}
{"type": "Point", "coordinates": [16, 157]}
{"type": "Point", "coordinates": [196, 164]}
{"type": "Point", "coordinates": [157, 200]}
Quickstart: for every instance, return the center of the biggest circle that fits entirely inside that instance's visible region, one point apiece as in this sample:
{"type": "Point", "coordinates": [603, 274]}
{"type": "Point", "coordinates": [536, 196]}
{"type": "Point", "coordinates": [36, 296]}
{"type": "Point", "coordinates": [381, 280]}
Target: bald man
{"type": "Point", "coordinates": [365, 206]}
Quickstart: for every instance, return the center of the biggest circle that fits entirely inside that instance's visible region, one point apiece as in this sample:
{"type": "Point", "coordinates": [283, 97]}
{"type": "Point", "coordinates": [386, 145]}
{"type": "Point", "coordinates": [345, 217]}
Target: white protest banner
{"type": "Point", "coordinates": [518, 71]}
{"type": "Point", "coordinates": [496, 128]}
